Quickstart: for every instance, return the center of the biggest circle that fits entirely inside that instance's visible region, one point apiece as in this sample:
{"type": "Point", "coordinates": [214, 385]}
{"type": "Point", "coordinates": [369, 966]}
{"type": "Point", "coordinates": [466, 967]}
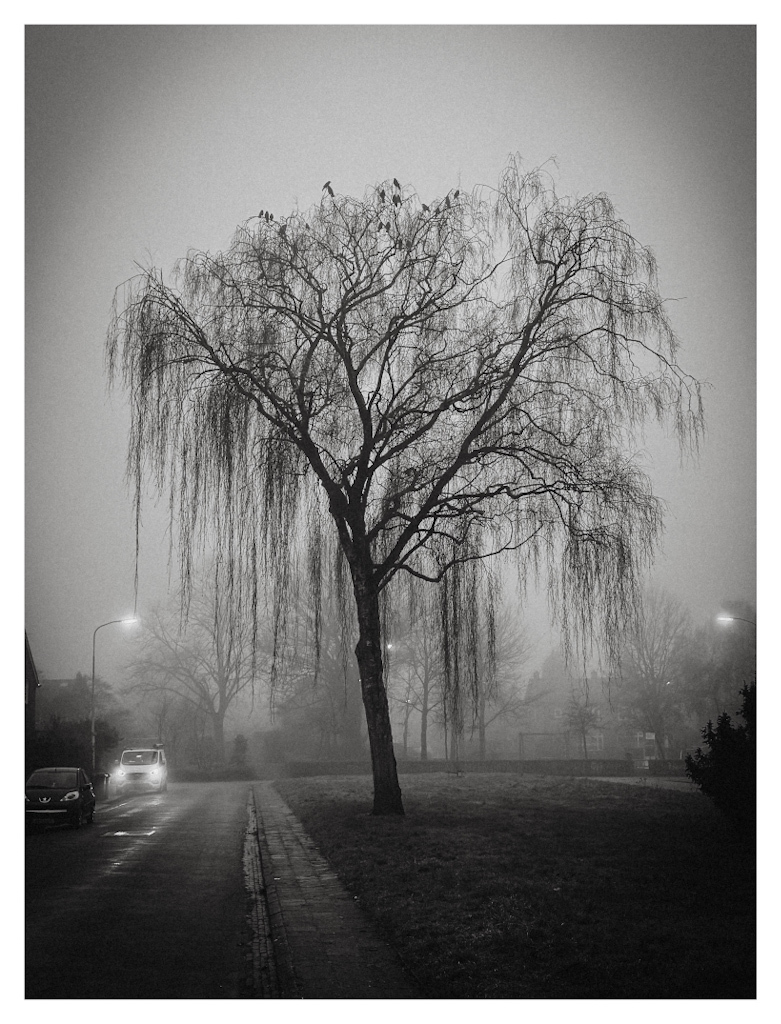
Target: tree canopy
{"type": "Point", "coordinates": [440, 381]}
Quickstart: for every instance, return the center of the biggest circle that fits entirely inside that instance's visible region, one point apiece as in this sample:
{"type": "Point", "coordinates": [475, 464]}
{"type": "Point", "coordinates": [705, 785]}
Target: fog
{"type": "Point", "coordinates": [145, 141]}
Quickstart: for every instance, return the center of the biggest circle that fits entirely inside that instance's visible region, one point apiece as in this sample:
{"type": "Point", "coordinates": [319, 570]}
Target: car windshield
{"type": "Point", "coordinates": [52, 780]}
{"type": "Point", "coordinates": [139, 757]}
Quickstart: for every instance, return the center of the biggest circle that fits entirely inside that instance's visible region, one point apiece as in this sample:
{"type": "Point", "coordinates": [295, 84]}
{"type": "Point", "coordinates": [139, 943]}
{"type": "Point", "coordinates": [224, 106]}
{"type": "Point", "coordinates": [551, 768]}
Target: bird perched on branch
{"type": "Point", "coordinates": [395, 182]}
{"type": "Point", "coordinates": [425, 208]}
{"type": "Point", "coordinates": [396, 201]}
{"type": "Point", "coordinates": [447, 202]}
{"type": "Point", "coordinates": [382, 195]}
{"type": "Point", "coordinates": [260, 215]}
{"type": "Point", "coordinates": [456, 194]}
{"type": "Point", "coordinates": [327, 188]}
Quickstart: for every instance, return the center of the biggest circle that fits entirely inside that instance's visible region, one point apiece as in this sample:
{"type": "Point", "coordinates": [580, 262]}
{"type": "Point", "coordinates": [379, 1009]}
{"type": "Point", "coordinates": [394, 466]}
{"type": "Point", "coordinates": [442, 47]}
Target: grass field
{"type": "Point", "coordinates": [499, 886]}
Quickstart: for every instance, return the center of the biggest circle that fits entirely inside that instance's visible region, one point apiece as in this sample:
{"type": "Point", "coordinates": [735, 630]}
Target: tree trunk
{"type": "Point", "coordinates": [424, 726]}
{"type": "Point", "coordinates": [352, 745]}
{"type": "Point", "coordinates": [218, 735]}
{"type": "Point", "coordinates": [454, 745]}
{"type": "Point", "coordinates": [481, 725]}
{"type": "Point", "coordinates": [368, 651]}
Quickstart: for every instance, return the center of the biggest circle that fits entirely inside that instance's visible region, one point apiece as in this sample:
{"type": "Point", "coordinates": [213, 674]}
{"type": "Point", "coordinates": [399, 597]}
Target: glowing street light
{"type": "Point", "coordinates": [735, 618]}
{"type": "Point", "coordinates": [92, 702]}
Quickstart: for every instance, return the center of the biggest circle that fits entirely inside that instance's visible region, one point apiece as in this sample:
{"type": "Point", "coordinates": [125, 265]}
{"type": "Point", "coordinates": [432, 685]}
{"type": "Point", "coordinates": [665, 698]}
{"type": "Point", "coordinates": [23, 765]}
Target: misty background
{"type": "Point", "coordinates": [144, 141]}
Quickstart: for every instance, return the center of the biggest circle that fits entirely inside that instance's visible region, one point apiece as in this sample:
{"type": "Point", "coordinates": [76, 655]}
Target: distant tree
{"type": "Point", "coordinates": [502, 658]}
{"type": "Point", "coordinates": [158, 714]}
{"type": "Point", "coordinates": [205, 664]}
{"type": "Point", "coordinates": [240, 746]}
{"type": "Point", "coordinates": [582, 715]}
{"type": "Point", "coordinates": [315, 693]}
{"type": "Point", "coordinates": [726, 772]}
{"type": "Point", "coordinates": [487, 650]}
{"type": "Point", "coordinates": [416, 667]}
{"type": "Point", "coordinates": [406, 388]}
{"type": "Point", "coordinates": [652, 688]}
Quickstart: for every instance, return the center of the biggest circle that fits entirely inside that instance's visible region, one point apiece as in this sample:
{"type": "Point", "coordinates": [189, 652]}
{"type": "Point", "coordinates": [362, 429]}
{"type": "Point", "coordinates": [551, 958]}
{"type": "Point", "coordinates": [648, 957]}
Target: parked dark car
{"type": "Point", "coordinates": [54, 795]}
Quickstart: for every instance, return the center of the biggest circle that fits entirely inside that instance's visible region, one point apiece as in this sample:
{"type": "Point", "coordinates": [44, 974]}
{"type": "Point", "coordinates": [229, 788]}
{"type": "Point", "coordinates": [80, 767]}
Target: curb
{"type": "Point", "coordinates": [278, 947]}
{"type": "Point", "coordinates": [263, 975]}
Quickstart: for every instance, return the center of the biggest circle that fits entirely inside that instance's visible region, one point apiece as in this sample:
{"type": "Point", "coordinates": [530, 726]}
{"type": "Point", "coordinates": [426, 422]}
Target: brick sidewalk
{"type": "Point", "coordinates": [324, 945]}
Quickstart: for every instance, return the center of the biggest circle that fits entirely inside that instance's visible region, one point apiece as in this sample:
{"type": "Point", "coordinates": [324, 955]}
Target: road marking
{"type": "Point", "coordinates": [111, 834]}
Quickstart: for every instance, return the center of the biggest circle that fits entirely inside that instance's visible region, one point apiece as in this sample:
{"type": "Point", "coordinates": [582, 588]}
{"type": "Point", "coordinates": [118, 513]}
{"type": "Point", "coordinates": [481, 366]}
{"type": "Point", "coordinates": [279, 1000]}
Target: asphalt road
{"type": "Point", "coordinates": [148, 902]}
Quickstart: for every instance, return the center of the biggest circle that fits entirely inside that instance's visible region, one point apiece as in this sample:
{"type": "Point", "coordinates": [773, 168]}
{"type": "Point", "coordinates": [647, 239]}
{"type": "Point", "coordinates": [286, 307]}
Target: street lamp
{"type": "Point", "coordinates": [92, 701]}
{"type": "Point", "coordinates": [735, 618]}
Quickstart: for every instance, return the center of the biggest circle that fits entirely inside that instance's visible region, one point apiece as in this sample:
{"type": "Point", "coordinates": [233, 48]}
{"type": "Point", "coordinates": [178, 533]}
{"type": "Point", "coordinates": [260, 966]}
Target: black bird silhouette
{"type": "Point", "coordinates": [387, 226]}
{"type": "Point", "coordinates": [425, 208]}
{"type": "Point", "coordinates": [396, 201]}
{"type": "Point", "coordinates": [271, 215]}
{"type": "Point", "coordinates": [327, 188]}
{"type": "Point", "coordinates": [382, 195]}
{"type": "Point", "coordinates": [456, 194]}
{"type": "Point", "coordinates": [260, 215]}
{"type": "Point", "coordinates": [395, 182]}
{"type": "Point", "coordinates": [447, 202]}
{"type": "Point", "coordinates": [266, 217]}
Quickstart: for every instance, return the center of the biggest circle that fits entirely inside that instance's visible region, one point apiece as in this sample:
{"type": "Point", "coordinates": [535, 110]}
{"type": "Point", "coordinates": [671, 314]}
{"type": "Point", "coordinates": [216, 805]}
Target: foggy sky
{"type": "Point", "coordinates": [145, 141]}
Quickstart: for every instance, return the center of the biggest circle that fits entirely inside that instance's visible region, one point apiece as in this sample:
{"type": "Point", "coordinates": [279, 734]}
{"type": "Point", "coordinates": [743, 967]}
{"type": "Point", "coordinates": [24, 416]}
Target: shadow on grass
{"type": "Point", "coordinates": [495, 886]}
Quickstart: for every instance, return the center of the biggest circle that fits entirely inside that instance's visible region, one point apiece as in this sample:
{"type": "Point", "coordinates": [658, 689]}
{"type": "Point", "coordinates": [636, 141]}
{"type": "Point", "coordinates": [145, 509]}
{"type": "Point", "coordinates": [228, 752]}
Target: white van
{"type": "Point", "coordinates": [142, 768]}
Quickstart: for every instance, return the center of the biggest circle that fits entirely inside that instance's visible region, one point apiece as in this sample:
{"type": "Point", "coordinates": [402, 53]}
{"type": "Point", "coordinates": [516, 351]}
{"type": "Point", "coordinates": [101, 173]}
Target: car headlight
{"type": "Point", "coordinates": [73, 795]}
{"type": "Point", "coordinates": [155, 771]}
{"type": "Point", "coordinates": [120, 773]}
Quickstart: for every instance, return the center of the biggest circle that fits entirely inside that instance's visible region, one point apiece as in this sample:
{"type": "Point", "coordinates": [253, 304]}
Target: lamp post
{"type": "Point", "coordinates": [92, 700]}
{"type": "Point", "coordinates": [735, 618]}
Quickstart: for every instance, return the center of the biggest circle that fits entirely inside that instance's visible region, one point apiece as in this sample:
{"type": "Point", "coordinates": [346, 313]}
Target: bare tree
{"type": "Point", "coordinates": [440, 382]}
{"type": "Point", "coordinates": [653, 685]}
{"type": "Point", "coordinates": [205, 664]}
{"type": "Point", "coordinates": [582, 714]}
{"type": "Point", "coordinates": [316, 685]}
{"type": "Point", "coordinates": [159, 715]}
{"type": "Point", "coordinates": [417, 667]}
{"type": "Point", "coordinates": [501, 695]}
